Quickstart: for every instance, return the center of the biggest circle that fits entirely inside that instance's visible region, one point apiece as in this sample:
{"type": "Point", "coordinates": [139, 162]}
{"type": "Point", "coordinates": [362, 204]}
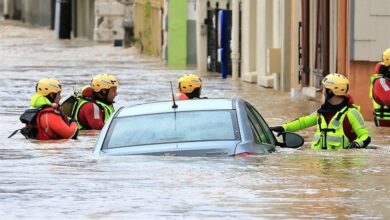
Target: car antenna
{"type": "Point", "coordinates": [174, 106]}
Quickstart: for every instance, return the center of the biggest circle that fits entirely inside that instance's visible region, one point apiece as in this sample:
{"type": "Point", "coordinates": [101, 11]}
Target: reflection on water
{"type": "Point", "coordinates": [63, 180]}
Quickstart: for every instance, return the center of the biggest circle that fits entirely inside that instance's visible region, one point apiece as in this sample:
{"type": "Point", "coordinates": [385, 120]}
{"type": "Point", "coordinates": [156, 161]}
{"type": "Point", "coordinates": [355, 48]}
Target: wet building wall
{"type": "Point", "coordinates": [368, 38]}
{"type": "Point", "coordinates": [35, 12]}
{"type": "Point", "coordinates": [148, 26]}
{"type": "Point", "coordinates": [191, 33]}
{"type": "Point", "coordinates": [38, 12]}
{"type": "Point", "coordinates": [109, 16]}
{"type": "Point", "coordinates": [359, 77]}
{"type": "Point", "coordinates": [177, 34]}
{"type": "Point", "coordinates": [1, 8]}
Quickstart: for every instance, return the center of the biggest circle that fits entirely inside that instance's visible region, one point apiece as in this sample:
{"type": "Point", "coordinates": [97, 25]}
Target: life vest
{"type": "Point", "coordinates": [381, 112]}
{"type": "Point", "coordinates": [330, 136]}
{"type": "Point", "coordinates": [108, 109]}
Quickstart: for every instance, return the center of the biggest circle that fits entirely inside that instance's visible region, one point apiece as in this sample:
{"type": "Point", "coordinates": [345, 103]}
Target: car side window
{"type": "Point", "coordinates": [260, 135]}
{"type": "Point", "coordinates": [255, 133]}
{"type": "Point", "coordinates": [264, 124]}
{"type": "Point", "coordinates": [259, 123]}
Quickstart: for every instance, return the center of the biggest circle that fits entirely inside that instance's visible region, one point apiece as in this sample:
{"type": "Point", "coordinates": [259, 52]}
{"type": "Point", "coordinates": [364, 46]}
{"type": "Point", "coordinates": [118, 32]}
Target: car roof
{"type": "Point", "coordinates": [186, 105]}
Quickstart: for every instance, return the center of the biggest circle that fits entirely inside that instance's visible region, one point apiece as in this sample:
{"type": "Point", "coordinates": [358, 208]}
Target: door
{"type": "Point", "coordinates": [321, 63]}
{"type": "Point", "coordinates": [84, 18]}
{"type": "Point", "coordinates": [314, 50]}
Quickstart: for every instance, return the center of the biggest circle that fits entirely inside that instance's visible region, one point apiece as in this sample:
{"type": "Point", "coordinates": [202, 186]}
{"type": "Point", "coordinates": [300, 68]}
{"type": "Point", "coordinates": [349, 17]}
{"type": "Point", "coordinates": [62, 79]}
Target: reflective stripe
{"type": "Point", "coordinates": [383, 83]}
{"type": "Point", "coordinates": [316, 138]}
{"type": "Point", "coordinates": [334, 139]}
{"type": "Point", "coordinates": [380, 112]}
{"type": "Point", "coordinates": [97, 107]}
{"type": "Point", "coordinates": [47, 123]}
{"type": "Point", "coordinates": [358, 118]}
{"type": "Point", "coordinates": [96, 111]}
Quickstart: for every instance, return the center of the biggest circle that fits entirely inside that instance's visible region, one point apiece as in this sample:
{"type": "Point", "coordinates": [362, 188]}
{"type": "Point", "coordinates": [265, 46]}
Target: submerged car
{"type": "Point", "coordinates": [201, 127]}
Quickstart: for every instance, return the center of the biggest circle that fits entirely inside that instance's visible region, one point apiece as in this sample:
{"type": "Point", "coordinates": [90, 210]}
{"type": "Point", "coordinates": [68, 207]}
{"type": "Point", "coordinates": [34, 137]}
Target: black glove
{"type": "Point", "coordinates": [354, 144]}
{"type": "Point", "coordinates": [76, 134]}
{"type": "Point", "coordinates": [277, 129]}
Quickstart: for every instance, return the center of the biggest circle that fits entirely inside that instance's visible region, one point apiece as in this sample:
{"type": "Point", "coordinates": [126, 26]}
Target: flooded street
{"type": "Point", "coordinates": [63, 180]}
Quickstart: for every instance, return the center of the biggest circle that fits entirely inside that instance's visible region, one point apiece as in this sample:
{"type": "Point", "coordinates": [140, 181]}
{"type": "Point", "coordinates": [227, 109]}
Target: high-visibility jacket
{"type": "Point", "coordinates": [331, 136]}
{"type": "Point", "coordinates": [107, 109]}
{"type": "Point", "coordinates": [381, 112]}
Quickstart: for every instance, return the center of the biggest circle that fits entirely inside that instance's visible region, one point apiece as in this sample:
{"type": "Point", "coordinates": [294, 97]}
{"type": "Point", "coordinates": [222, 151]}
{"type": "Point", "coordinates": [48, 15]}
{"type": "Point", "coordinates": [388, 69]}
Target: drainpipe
{"type": "Point", "coordinates": [235, 38]}
{"type": "Point", "coordinates": [201, 35]}
{"type": "Point", "coordinates": [8, 9]}
{"type": "Point", "coordinates": [264, 42]}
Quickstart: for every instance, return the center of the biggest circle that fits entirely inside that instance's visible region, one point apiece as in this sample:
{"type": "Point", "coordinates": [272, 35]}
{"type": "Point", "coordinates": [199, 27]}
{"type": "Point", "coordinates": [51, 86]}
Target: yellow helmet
{"type": "Point", "coordinates": [46, 86]}
{"type": "Point", "coordinates": [189, 82]}
{"type": "Point", "coordinates": [337, 83]}
{"type": "Point", "coordinates": [386, 57]}
{"type": "Point", "coordinates": [103, 81]}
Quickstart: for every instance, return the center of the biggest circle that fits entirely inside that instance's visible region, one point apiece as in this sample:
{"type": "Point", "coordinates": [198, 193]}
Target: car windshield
{"type": "Point", "coordinates": [172, 127]}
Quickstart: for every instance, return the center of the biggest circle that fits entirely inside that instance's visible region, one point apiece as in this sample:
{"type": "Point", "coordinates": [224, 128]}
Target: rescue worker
{"type": "Point", "coordinates": [380, 91]}
{"type": "Point", "coordinates": [339, 122]}
{"type": "Point", "coordinates": [95, 104]}
{"type": "Point", "coordinates": [190, 86]}
{"type": "Point", "coordinates": [51, 123]}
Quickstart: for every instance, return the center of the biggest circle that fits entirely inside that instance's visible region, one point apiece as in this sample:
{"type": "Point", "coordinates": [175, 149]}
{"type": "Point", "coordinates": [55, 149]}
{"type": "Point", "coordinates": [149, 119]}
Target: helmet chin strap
{"type": "Point", "coordinates": [52, 96]}
{"type": "Point", "coordinates": [387, 72]}
{"type": "Point", "coordinates": [102, 96]}
{"type": "Point", "coordinates": [194, 94]}
{"type": "Point", "coordinates": [328, 94]}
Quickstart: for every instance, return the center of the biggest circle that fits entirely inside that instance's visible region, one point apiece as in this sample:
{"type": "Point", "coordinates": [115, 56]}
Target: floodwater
{"type": "Point", "coordinates": [63, 180]}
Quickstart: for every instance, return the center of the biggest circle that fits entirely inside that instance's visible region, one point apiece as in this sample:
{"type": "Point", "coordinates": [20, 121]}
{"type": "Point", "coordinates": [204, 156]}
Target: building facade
{"type": "Point", "coordinates": [293, 45]}
{"type": "Point", "coordinates": [167, 28]}
{"type": "Point", "coordinates": [99, 20]}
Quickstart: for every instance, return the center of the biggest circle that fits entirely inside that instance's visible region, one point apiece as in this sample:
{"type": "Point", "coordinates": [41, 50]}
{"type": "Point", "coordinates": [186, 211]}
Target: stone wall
{"type": "Point", "coordinates": [109, 16]}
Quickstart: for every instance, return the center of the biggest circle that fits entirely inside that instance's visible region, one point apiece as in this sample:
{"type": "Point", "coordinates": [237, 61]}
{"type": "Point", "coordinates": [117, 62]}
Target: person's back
{"type": "Point", "coordinates": [51, 123]}
{"type": "Point", "coordinates": [380, 91]}
{"type": "Point", "coordinates": [339, 122]}
{"type": "Point", "coordinates": [95, 105]}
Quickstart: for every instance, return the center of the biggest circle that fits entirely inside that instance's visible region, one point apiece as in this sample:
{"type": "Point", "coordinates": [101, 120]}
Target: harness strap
{"type": "Point", "coordinates": [339, 114]}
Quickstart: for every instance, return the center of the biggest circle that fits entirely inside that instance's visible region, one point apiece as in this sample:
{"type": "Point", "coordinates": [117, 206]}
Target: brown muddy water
{"type": "Point", "coordinates": [63, 180]}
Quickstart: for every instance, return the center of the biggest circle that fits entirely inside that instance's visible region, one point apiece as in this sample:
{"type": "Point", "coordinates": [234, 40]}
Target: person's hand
{"type": "Point", "coordinates": [278, 129]}
{"type": "Point", "coordinates": [354, 144]}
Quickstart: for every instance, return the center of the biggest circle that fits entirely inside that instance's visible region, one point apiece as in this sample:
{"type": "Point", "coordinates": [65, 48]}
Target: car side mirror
{"type": "Point", "coordinates": [292, 140]}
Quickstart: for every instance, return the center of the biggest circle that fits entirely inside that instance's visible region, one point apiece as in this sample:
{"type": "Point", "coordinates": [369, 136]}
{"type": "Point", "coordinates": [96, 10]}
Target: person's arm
{"type": "Point", "coordinates": [301, 123]}
{"type": "Point", "coordinates": [93, 115]}
{"type": "Point", "coordinates": [381, 91]}
{"type": "Point", "coordinates": [56, 124]}
{"type": "Point", "coordinates": [360, 128]}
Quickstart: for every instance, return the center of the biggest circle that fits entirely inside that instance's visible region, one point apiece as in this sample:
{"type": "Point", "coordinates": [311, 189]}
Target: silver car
{"type": "Point", "coordinates": [201, 127]}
